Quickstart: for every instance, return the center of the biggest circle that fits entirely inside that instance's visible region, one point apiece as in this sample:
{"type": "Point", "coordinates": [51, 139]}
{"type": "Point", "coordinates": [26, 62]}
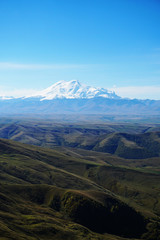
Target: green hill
{"type": "Point", "coordinates": [130, 141]}
{"type": "Point", "coordinates": [48, 194]}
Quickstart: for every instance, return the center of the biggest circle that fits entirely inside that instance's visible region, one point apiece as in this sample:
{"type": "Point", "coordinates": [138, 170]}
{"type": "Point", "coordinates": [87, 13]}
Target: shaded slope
{"type": "Point", "coordinates": [107, 138]}
{"type": "Point", "coordinates": [137, 146]}
{"type": "Point", "coordinates": [43, 211]}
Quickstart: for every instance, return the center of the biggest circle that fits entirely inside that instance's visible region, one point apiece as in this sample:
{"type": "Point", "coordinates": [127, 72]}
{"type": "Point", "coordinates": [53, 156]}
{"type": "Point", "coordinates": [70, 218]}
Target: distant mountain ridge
{"type": "Point", "coordinates": [73, 89]}
{"type": "Point", "coordinates": [72, 97]}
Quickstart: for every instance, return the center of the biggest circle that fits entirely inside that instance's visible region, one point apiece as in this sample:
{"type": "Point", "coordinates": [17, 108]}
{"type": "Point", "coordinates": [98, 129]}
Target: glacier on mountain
{"type": "Point", "coordinates": [73, 89]}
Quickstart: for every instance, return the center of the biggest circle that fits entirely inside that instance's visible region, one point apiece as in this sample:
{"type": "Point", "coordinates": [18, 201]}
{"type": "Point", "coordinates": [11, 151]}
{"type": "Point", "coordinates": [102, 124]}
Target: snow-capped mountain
{"type": "Point", "coordinates": [73, 89]}
{"type": "Point", "coordinates": [72, 97]}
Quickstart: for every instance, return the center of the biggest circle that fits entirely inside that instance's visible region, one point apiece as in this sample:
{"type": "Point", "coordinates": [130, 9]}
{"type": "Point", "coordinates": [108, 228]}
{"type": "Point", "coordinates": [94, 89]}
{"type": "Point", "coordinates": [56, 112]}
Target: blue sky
{"type": "Point", "coordinates": [107, 43]}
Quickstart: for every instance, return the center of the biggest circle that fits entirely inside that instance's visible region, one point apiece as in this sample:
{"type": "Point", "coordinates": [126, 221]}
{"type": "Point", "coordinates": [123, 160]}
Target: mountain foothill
{"type": "Point", "coordinates": [79, 181]}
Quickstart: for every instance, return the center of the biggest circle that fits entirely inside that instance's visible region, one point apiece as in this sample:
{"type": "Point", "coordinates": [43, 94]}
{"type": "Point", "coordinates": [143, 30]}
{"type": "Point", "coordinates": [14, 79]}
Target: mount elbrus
{"type": "Point", "coordinates": [73, 97]}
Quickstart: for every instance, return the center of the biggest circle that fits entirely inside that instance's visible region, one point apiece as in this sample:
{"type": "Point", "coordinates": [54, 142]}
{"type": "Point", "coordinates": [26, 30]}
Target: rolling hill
{"type": "Point", "coordinates": [48, 194]}
{"type": "Point", "coordinates": [130, 141]}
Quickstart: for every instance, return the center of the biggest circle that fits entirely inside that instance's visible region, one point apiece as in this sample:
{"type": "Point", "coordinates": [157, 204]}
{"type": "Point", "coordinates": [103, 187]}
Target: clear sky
{"type": "Point", "coordinates": [107, 43]}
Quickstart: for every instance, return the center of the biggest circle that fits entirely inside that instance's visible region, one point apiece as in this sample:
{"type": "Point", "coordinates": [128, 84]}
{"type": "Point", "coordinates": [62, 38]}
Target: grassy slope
{"type": "Point", "coordinates": [37, 200]}
{"type": "Point", "coordinates": [137, 141]}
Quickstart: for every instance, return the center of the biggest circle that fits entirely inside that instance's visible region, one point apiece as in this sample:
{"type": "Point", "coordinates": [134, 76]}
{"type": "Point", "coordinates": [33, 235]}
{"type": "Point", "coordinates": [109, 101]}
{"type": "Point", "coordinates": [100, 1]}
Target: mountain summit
{"type": "Point", "coordinates": [72, 97]}
{"type": "Point", "coordinates": [73, 89]}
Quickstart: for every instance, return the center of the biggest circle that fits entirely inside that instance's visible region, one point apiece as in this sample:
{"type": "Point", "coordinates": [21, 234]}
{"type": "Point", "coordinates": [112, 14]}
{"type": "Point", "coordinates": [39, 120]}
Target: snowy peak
{"type": "Point", "coordinates": [73, 89]}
